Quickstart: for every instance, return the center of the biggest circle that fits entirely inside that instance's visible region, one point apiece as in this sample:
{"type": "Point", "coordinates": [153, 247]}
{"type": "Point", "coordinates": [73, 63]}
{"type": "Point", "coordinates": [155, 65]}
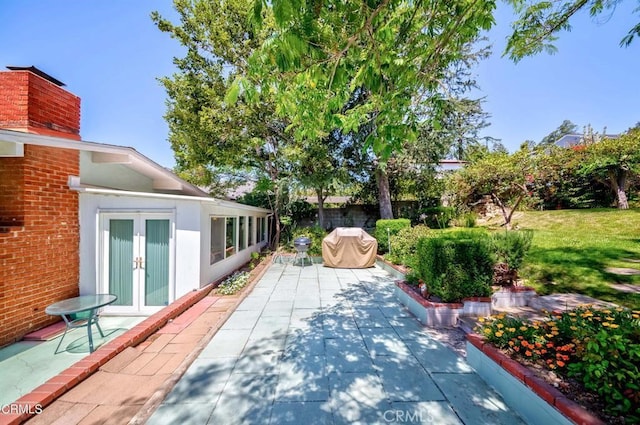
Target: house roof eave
{"type": "Point", "coordinates": [133, 159]}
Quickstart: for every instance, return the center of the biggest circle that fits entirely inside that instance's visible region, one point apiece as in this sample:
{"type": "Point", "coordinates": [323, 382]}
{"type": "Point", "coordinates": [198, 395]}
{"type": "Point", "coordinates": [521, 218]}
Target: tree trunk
{"type": "Point", "coordinates": [384, 194]}
{"type": "Point", "coordinates": [619, 184]}
{"type": "Point", "coordinates": [320, 195]}
{"type": "Point", "coordinates": [276, 219]}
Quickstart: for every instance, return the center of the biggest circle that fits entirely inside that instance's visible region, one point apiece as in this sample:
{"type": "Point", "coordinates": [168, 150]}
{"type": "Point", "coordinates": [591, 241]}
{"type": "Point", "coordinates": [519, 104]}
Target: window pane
{"type": "Point", "coordinates": [217, 239]}
{"type": "Point", "coordinates": [242, 238]}
{"type": "Point", "coordinates": [258, 226]}
{"type": "Point", "coordinates": [251, 235]}
{"type": "Point", "coordinates": [232, 227]}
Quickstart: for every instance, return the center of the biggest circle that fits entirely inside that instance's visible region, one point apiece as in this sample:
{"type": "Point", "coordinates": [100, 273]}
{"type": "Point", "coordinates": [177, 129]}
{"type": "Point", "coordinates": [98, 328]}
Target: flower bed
{"type": "Point", "coordinates": [515, 382]}
{"type": "Point", "coordinates": [592, 355]}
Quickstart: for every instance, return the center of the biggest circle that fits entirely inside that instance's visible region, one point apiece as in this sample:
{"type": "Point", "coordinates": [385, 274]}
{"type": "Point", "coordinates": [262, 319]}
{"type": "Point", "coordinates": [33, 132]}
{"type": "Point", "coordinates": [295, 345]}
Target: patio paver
{"type": "Point", "coordinates": [328, 346]}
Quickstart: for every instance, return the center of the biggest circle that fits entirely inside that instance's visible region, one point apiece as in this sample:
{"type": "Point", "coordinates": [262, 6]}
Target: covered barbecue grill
{"type": "Point", "coordinates": [349, 247]}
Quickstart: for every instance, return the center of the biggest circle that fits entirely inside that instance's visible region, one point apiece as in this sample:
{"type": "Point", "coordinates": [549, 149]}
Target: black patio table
{"type": "Point", "coordinates": [70, 307]}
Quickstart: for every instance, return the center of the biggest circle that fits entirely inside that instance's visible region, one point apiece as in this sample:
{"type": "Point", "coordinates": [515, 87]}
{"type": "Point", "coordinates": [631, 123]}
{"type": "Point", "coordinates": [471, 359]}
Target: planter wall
{"type": "Point", "coordinates": [514, 296]}
{"type": "Point", "coordinates": [440, 314]}
{"type": "Point", "coordinates": [537, 401]}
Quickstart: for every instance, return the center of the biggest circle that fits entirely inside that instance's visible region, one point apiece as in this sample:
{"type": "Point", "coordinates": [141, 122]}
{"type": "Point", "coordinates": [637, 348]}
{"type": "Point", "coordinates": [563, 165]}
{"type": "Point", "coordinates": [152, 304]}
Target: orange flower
{"type": "Point", "coordinates": [516, 348]}
{"type": "Point", "coordinates": [527, 353]}
{"type": "Point", "coordinates": [560, 363]}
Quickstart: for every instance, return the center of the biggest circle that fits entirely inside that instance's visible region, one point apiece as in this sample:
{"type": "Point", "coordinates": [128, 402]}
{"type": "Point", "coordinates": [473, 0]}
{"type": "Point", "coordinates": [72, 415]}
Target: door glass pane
{"type": "Point", "coordinates": [250, 234]}
{"type": "Point", "coordinates": [121, 261]}
{"type": "Point", "coordinates": [231, 236]}
{"type": "Point", "coordinates": [156, 288]}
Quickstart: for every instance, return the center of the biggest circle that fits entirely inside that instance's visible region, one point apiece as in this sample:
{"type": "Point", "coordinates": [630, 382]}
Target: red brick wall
{"type": "Point", "coordinates": [11, 192]}
{"type": "Point", "coordinates": [39, 229]}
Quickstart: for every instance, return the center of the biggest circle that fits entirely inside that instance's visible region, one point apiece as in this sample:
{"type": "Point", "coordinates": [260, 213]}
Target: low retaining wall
{"type": "Point", "coordinates": [512, 296]}
{"type": "Point", "coordinates": [537, 401]}
{"type": "Point", "coordinates": [440, 314]}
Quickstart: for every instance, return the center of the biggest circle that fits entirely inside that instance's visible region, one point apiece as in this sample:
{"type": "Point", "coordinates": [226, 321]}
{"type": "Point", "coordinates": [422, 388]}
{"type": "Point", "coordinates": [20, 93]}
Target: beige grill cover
{"type": "Point", "coordinates": [349, 248]}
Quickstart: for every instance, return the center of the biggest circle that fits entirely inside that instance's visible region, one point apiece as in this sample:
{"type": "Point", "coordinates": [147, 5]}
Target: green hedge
{"type": "Point", "coordinates": [456, 265]}
{"type": "Point", "coordinates": [404, 245]}
{"type": "Point", "coordinates": [384, 228]}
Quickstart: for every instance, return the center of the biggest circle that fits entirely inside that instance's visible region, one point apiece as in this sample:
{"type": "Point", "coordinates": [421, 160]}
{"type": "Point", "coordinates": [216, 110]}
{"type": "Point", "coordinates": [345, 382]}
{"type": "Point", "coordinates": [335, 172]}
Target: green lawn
{"type": "Point", "coordinates": [576, 250]}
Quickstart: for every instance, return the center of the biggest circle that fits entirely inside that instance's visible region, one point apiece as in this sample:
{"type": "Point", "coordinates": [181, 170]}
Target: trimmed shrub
{"type": "Point", "coordinates": [386, 228]}
{"type": "Point", "coordinates": [315, 233]}
{"type": "Point", "coordinates": [437, 217]}
{"type": "Point", "coordinates": [510, 248]}
{"type": "Point", "coordinates": [404, 245]}
{"type": "Point", "coordinates": [456, 265]}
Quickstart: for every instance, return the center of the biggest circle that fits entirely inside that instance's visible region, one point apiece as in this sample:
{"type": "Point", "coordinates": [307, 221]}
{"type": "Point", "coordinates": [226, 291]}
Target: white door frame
{"type": "Point", "coordinates": [102, 281]}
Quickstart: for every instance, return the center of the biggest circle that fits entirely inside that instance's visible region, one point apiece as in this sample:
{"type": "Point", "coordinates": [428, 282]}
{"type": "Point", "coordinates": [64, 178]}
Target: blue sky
{"type": "Point", "coordinates": [110, 54]}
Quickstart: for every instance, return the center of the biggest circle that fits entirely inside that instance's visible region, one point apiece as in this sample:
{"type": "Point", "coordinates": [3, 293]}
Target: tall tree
{"type": "Point", "coordinates": [206, 134]}
{"type": "Point", "coordinates": [615, 160]}
{"type": "Point", "coordinates": [398, 52]}
{"type": "Point", "coordinates": [539, 22]}
{"type": "Point", "coordinates": [507, 179]}
{"type": "Point", "coordinates": [319, 166]}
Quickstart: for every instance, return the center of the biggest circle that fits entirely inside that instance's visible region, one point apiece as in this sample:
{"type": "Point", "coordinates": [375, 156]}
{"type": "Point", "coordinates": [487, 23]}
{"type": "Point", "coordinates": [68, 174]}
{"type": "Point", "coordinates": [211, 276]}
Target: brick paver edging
{"type": "Point", "coordinates": [55, 387]}
{"type": "Point", "coordinates": [154, 401]}
{"type": "Point", "coordinates": [548, 393]}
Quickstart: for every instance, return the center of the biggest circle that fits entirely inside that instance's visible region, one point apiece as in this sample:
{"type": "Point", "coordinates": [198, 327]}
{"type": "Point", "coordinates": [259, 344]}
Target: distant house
{"type": "Point", "coordinates": [571, 140]}
{"type": "Point", "coordinates": [79, 217]}
{"type": "Point", "coordinates": [450, 165]}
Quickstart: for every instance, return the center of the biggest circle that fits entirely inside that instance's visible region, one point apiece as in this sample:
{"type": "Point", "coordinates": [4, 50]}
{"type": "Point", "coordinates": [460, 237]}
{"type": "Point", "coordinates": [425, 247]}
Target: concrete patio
{"type": "Point", "coordinates": [25, 365]}
{"type": "Point", "coordinates": [327, 346]}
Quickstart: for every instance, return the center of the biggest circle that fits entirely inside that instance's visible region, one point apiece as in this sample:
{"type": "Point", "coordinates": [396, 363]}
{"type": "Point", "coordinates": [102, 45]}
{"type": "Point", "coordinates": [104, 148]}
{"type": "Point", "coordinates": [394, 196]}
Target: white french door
{"type": "Point", "coordinates": [137, 261]}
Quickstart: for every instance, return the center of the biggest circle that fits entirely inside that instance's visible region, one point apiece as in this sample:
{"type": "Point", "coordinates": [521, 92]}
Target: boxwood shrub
{"type": "Point", "coordinates": [404, 245]}
{"type": "Point", "coordinates": [456, 265]}
{"type": "Point", "coordinates": [393, 226]}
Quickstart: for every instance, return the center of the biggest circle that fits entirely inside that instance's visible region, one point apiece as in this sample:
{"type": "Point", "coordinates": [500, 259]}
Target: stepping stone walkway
{"type": "Point", "coordinates": [316, 345]}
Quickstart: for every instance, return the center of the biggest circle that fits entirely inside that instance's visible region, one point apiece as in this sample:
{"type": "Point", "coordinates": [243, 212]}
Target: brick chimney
{"type": "Point", "coordinates": [35, 102]}
{"type": "Point", "coordinates": [39, 214]}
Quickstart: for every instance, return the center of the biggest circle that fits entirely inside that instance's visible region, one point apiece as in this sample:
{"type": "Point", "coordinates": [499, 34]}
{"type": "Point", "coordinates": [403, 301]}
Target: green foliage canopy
{"type": "Point", "coordinates": [615, 160]}
{"type": "Point", "coordinates": [507, 178]}
{"type": "Point", "coordinates": [398, 51]}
